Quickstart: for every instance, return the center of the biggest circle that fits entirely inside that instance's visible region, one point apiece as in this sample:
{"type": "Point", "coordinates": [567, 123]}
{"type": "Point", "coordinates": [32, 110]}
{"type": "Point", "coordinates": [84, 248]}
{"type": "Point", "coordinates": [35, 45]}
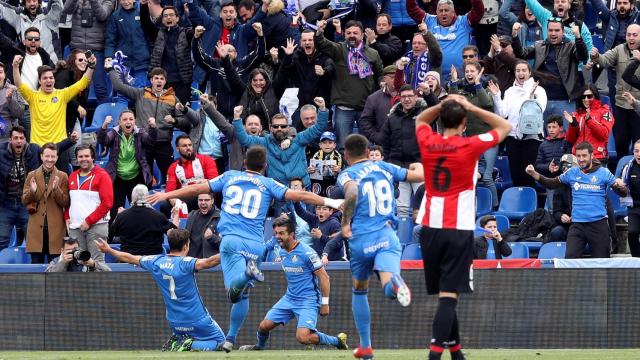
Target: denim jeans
{"type": "Point", "coordinates": [485, 167]}
{"type": "Point", "coordinates": [558, 107]}
{"type": "Point", "coordinates": [12, 213]}
{"type": "Point", "coordinates": [343, 121]}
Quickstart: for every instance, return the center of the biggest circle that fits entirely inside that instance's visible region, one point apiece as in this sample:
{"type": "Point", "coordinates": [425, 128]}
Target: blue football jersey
{"type": "Point", "coordinates": [246, 197]}
{"type": "Point", "coordinates": [175, 276]}
{"type": "Point", "coordinates": [589, 193]}
{"type": "Point", "coordinates": [376, 199]}
{"type": "Point", "coordinates": [299, 266]}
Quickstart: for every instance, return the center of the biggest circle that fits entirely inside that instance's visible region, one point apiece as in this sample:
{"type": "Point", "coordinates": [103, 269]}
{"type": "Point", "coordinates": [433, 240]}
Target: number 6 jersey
{"type": "Point", "coordinates": [376, 201]}
{"type": "Point", "coordinates": [450, 175]}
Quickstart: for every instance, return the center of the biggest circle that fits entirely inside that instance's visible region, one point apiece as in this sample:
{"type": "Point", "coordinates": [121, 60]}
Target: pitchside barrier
{"type": "Point", "coordinates": [516, 304]}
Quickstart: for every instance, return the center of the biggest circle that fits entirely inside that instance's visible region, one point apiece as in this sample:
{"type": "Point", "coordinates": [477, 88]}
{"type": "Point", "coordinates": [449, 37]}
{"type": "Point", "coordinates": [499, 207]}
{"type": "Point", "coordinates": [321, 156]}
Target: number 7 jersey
{"type": "Point", "coordinates": [450, 175]}
{"type": "Point", "coordinates": [376, 201]}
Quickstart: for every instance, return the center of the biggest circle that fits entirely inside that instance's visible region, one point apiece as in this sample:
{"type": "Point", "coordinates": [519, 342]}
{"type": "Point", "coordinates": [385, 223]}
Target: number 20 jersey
{"type": "Point", "coordinates": [246, 197]}
{"type": "Point", "coordinates": [450, 175]}
{"type": "Point", "coordinates": [376, 197]}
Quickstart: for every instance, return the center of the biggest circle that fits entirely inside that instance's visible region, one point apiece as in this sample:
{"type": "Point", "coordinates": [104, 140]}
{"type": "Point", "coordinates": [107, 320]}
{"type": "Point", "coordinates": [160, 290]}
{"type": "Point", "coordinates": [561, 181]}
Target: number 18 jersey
{"type": "Point", "coordinates": [246, 197]}
{"type": "Point", "coordinates": [376, 201]}
{"type": "Point", "coordinates": [450, 175]}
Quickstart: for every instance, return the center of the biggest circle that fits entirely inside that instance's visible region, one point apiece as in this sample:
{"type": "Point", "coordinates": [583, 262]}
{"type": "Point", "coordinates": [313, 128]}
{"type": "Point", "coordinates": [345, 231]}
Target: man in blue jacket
{"type": "Point", "coordinates": [125, 33]}
{"type": "Point", "coordinates": [286, 158]}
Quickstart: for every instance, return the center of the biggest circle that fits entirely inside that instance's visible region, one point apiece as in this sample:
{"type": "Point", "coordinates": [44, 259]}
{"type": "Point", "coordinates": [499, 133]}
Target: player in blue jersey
{"type": "Point", "coordinates": [369, 211]}
{"type": "Point", "coordinates": [192, 326]}
{"type": "Point", "coordinates": [247, 196]}
{"type": "Point", "coordinates": [307, 292]}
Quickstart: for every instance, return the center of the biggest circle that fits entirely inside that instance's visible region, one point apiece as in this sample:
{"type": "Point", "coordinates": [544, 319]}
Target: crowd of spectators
{"type": "Point", "coordinates": [205, 80]}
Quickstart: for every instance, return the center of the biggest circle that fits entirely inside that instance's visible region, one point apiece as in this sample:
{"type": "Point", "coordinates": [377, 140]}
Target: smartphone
{"type": "Point", "coordinates": [88, 54]}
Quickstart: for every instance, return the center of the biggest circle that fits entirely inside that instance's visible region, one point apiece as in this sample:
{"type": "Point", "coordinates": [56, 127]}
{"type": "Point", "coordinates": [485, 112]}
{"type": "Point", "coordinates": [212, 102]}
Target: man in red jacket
{"type": "Point", "coordinates": [91, 193]}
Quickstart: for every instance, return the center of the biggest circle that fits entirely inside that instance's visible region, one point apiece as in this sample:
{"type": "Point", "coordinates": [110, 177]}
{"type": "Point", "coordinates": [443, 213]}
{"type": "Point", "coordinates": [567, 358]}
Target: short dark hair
{"type": "Point", "coordinates": [520, 62]}
{"type": "Point", "coordinates": [86, 147]}
{"type": "Point", "coordinates": [485, 219]}
{"type": "Point", "coordinates": [158, 71]}
{"type": "Point", "coordinates": [44, 69]}
{"type": "Point", "coordinates": [452, 114]}
{"type": "Point", "coordinates": [473, 63]}
{"type": "Point", "coordinates": [555, 118]}
{"type": "Point", "coordinates": [180, 137]}
{"type": "Point", "coordinates": [256, 158]}
{"type": "Point", "coordinates": [247, 4]}
{"type": "Point", "coordinates": [297, 178]}
{"type": "Point", "coordinates": [376, 148]}
{"type": "Point", "coordinates": [279, 116]}
{"type": "Point", "coordinates": [125, 111]}
{"type": "Point", "coordinates": [67, 240]}
{"type": "Point", "coordinates": [285, 221]}
{"type": "Point", "coordinates": [405, 87]}
{"type": "Point", "coordinates": [2, 66]}
{"type": "Point", "coordinates": [352, 23]}
{"type": "Point", "coordinates": [169, 7]}
{"type": "Point", "coordinates": [31, 29]}
{"type": "Point", "coordinates": [50, 146]}
{"type": "Point", "coordinates": [471, 47]}
{"type": "Point", "coordinates": [585, 146]}
{"type": "Point", "coordinates": [178, 238]}
{"type": "Point", "coordinates": [18, 129]}
{"type": "Point", "coordinates": [356, 145]}
{"type": "Point", "coordinates": [385, 15]}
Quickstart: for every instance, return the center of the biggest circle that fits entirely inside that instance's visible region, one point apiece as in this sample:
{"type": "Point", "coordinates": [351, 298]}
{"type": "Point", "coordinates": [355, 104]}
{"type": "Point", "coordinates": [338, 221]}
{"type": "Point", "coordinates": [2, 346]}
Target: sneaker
{"type": "Point", "coordinates": [227, 346]}
{"type": "Point", "coordinates": [234, 295]}
{"type": "Point", "coordinates": [253, 271]}
{"type": "Point", "coordinates": [342, 342]}
{"type": "Point", "coordinates": [403, 294]}
{"type": "Point", "coordinates": [170, 344]}
{"type": "Point", "coordinates": [361, 353]}
{"type": "Point", "coordinates": [253, 347]}
{"type": "Point", "coordinates": [185, 344]}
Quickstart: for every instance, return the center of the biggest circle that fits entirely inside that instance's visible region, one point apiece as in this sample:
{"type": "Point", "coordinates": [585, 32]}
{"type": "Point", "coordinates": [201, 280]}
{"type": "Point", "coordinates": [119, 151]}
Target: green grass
{"type": "Point", "coordinates": [471, 354]}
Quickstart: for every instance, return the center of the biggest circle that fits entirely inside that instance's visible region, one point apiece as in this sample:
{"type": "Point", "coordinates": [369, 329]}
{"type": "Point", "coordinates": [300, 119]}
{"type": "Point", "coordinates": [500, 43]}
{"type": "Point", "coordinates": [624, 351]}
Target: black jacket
{"type": "Point", "coordinates": [263, 105]}
{"type": "Point", "coordinates": [65, 78]}
{"type": "Point", "coordinates": [389, 47]}
{"type": "Point", "coordinates": [199, 247]}
{"type": "Point", "coordinates": [10, 49]}
{"type": "Point", "coordinates": [398, 135]}
{"type": "Point", "coordinates": [481, 246]}
{"type": "Point", "coordinates": [562, 203]}
{"type": "Point", "coordinates": [551, 149]}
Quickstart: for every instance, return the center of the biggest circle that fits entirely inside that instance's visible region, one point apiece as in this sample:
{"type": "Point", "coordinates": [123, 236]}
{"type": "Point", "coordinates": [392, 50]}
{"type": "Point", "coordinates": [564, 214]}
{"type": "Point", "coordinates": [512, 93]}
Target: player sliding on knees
{"type": "Point", "coordinates": [246, 197]}
{"type": "Point", "coordinates": [307, 292]}
{"type": "Point", "coordinates": [192, 326]}
{"type": "Point", "coordinates": [448, 210]}
{"type": "Point", "coordinates": [369, 208]}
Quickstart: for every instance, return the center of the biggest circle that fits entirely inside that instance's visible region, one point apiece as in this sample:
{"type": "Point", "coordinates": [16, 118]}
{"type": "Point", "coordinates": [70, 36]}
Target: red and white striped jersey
{"type": "Point", "coordinates": [450, 175]}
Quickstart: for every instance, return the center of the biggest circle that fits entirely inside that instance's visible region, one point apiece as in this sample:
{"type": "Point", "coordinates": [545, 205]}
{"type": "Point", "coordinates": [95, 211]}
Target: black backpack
{"type": "Point", "coordinates": [533, 227]}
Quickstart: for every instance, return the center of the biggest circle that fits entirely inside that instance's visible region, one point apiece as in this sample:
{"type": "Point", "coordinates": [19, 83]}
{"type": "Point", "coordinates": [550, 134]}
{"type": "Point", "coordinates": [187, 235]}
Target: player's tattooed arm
{"type": "Point", "coordinates": [349, 206]}
{"type": "Point", "coordinates": [550, 183]}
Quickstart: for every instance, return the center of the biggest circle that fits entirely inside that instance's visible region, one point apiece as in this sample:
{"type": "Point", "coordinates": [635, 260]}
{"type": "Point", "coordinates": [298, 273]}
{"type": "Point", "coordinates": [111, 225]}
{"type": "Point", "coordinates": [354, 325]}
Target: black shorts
{"type": "Point", "coordinates": [448, 256]}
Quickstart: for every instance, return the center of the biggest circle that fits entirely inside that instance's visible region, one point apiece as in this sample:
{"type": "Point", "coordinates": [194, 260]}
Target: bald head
{"type": "Point", "coordinates": [633, 36]}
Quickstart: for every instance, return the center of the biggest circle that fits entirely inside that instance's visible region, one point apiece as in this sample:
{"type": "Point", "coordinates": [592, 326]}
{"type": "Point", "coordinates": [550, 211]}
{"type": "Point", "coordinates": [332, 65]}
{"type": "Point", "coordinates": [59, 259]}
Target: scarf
{"type": "Point", "coordinates": [626, 172]}
{"type": "Point", "coordinates": [357, 62]}
{"type": "Point", "coordinates": [420, 69]}
{"type": "Point", "coordinates": [198, 173]}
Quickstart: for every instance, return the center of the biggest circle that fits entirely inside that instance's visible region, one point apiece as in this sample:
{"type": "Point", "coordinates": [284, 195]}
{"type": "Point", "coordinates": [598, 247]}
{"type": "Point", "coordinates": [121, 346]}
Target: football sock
{"type": "Point", "coordinates": [200, 345]}
{"type": "Point", "coordinates": [239, 312]}
{"type": "Point", "coordinates": [454, 336]}
{"type": "Point", "coordinates": [389, 291]}
{"type": "Point", "coordinates": [362, 316]}
{"type": "Point", "coordinates": [327, 339]}
{"type": "Point", "coordinates": [443, 323]}
{"type": "Point", "coordinates": [262, 338]}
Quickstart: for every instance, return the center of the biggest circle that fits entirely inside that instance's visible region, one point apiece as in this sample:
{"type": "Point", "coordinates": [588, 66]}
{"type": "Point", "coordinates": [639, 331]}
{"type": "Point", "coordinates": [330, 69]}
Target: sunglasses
{"type": "Point", "coordinates": [33, 39]}
{"type": "Point", "coordinates": [81, 60]}
{"type": "Point", "coordinates": [468, 56]}
{"type": "Point", "coordinates": [587, 96]}
{"type": "Point", "coordinates": [555, 19]}
{"type": "Point", "coordinates": [279, 126]}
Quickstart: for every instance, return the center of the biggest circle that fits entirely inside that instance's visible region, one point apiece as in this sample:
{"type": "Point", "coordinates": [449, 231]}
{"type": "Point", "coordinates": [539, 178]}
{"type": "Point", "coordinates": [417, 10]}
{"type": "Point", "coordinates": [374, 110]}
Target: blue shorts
{"type": "Point", "coordinates": [283, 311]}
{"type": "Point", "coordinates": [205, 329]}
{"type": "Point", "coordinates": [234, 254]}
{"type": "Point", "coordinates": [380, 251]}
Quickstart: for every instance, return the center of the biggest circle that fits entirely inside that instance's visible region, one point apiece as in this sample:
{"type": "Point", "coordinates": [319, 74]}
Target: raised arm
{"type": "Point", "coordinates": [415, 12]}
{"type": "Point", "coordinates": [190, 191]}
{"type": "Point", "coordinates": [475, 14]}
{"type": "Point", "coordinates": [16, 70]}
{"type": "Point", "coordinates": [208, 263]}
{"type": "Point", "coordinates": [550, 183]}
{"type": "Point", "coordinates": [120, 255]}
{"type": "Point", "coordinates": [311, 198]}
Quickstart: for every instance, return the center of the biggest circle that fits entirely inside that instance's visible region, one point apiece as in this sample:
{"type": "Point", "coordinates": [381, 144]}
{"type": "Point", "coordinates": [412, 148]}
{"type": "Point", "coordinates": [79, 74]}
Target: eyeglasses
{"type": "Point", "coordinates": [407, 96]}
{"type": "Point", "coordinates": [554, 19]}
{"type": "Point", "coordinates": [468, 56]}
{"type": "Point", "coordinates": [32, 38]}
{"type": "Point", "coordinates": [279, 126]}
{"type": "Point", "coordinates": [587, 96]}
{"type": "Point", "coordinates": [169, 15]}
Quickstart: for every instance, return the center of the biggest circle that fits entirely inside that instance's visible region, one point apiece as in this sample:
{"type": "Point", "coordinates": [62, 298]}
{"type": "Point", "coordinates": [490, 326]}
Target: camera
{"type": "Point", "coordinates": [88, 54]}
{"type": "Point", "coordinates": [81, 255]}
{"type": "Point", "coordinates": [86, 18]}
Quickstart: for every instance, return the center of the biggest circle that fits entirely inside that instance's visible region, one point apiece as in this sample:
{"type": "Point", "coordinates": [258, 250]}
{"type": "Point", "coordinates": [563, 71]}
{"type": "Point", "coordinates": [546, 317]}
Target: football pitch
{"type": "Point", "coordinates": [471, 354]}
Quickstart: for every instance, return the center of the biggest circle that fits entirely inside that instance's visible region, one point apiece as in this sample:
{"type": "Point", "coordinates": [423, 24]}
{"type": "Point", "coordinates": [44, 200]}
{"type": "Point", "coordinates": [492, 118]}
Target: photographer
{"type": "Point", "coordinates": [481, 243]}
{"type": "Point", "coordinates": [72, 259]}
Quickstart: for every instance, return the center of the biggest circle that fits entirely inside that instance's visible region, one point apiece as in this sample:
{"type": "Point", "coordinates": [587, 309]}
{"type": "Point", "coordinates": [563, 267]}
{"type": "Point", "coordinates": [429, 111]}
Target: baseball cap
{"type": "Point", "coordinates": [389, 70]}
{"type": "Point", "coordinates": [569, 159]}
{"type": "Point", "coordinates": [328, 135]}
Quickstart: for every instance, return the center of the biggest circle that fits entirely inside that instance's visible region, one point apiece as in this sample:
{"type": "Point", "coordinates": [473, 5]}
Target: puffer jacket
{"type": "Point", "coordinates": [594, 129]}
{"type": "Point", "coordinates": [398, 12]}
{"type": "Point", "coordinates": [47, 23]}
{"type": "Point", "coordinates": [88, 38]}
{"type": "Point", "coordinates": [111, 138]}
{"type": "Point", "coordinates": [148, 105]}
{"type": "Point", "coordinates": [398, 135]}
{"type": "Point", "coordinates": [125, 33]}
{"type": "Point", "coordinates": [551, 150]}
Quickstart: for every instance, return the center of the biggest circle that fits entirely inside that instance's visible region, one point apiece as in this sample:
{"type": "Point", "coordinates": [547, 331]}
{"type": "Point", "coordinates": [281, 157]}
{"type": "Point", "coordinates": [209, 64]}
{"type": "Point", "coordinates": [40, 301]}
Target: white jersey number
{"type": "Point", "coordinates": [380, 197]}
{"type": "Point", "coordinates": [246, 203]}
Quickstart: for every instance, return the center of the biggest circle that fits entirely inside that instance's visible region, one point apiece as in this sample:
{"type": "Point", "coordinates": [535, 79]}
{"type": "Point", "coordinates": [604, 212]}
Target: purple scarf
{"type": "Point", "coordinates": [358, 62]}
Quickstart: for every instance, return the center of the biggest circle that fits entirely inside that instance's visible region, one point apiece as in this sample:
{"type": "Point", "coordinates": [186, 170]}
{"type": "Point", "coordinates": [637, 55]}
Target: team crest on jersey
{"type": "Point", "coordinates": [54, 99]}
{"type": "Point", "coordinates": [594, 179]}
{"type": "Point", "coordinates": [486, 137]}
{"type": "Point", "coordinates": [294, 258]}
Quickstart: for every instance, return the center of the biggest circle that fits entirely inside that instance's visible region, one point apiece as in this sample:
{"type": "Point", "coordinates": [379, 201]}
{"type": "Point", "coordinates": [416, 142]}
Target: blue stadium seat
{"type": "Point", "coordinates": [618, 209]}
{"type": "Point", "coordinates": [606, 100]}
{"type": "Point", "coordinates": [268, 228]}
{"type": "Point", "coordinates": [532, 245]}
{"type": "Point", "coordinates": [503, 224]}
{"type": "Point", "coordinates": [108, 258]}
{"type": "Point", "coordinates": [483, 201]}
{"type": "Point", "coordinates": [176, 153]}
{"type": "Point", "coordinates": [158, 176]}
{"type": "Point", "coordinates": [405, 230]}
{"type": "Point", "coordinates": [611, 148]}
{"type": "Point", "coordinates": [517, 202]}
{"type": "Point", "coordinates": [15, 255]}
{"type": "Point", "coordinates": [66, 51]}
{"type": "Point", "coordinates": [412, 252]}
{"type": "Point", "coordinates": [623, 161]}
{"type": "Point", "coordinates": [518, 251]}
{"type": "Point", "coordinates": [102, 111]}
{"type": "Point", "coordinates": [553, 250]}
{"type": "Point", "coordinates": [195, 105]}
{"type": "Point", "coordinates": [504, 180]}
{"type": "Point", "coordinates": [13, 238]}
